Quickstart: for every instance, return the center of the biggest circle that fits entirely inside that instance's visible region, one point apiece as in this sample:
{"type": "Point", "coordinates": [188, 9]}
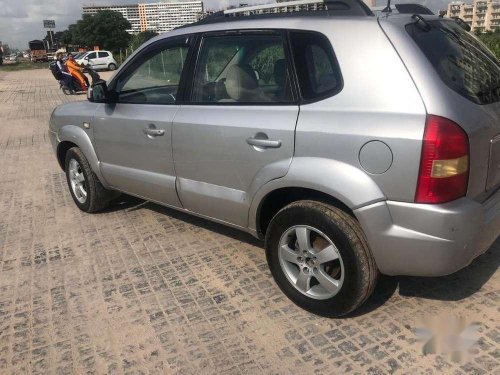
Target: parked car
{"type": "Point", "coordinates": [348, 162]}
{"type": "Point", "coordinates": [98, 60]}
{"type": "Point", "coordinates": [13, 57]}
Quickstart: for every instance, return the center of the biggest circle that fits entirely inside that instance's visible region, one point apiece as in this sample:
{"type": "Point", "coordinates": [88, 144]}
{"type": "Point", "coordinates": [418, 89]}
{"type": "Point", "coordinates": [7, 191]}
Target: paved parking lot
{"type": "Point", "coordinates": [144, 289]}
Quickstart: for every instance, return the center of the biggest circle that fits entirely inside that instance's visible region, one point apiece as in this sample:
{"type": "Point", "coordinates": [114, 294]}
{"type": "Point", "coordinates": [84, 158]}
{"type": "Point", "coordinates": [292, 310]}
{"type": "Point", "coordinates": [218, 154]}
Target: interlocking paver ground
{"type": "Point", "coordinates": [144, 289]}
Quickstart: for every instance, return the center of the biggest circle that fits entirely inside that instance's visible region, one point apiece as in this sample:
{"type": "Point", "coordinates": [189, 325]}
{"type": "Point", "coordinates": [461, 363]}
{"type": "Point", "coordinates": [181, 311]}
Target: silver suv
{"type": "Point", "coordinates": [352, 144]}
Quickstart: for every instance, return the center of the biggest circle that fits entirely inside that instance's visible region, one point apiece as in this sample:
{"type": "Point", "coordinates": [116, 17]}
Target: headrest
{"type": "Point", "coordinates": [241, 81]}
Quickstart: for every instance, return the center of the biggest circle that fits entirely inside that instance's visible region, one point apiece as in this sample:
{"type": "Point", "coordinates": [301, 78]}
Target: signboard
{"type": "Point", "coordinates": [49, 24]}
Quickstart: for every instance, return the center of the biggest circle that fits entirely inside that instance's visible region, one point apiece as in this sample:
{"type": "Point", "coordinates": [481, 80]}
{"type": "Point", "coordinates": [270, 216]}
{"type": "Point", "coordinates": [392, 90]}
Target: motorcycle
{"type": "Point", "coordinates": [69, 84]}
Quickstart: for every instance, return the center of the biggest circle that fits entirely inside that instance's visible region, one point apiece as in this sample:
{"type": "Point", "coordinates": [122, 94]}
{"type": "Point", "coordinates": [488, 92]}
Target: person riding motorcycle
{"type": "Point", "coordinates": [76, 71]}
{"type": "Point", "coordinates": [66, 77]}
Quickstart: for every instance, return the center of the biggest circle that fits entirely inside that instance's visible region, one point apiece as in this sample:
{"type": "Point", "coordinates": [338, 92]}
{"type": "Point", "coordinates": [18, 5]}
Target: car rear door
{"type": "Point", "coordinates": [235, 130]}
{"type": "Point", "coordinates": [132, 135]}
{"type": "Point", "coordinates": [102, 59]}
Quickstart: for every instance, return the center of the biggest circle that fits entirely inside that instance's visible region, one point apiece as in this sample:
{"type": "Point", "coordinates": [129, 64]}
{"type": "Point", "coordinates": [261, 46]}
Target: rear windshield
{"type": "Point", "coordinates": [463, 63]}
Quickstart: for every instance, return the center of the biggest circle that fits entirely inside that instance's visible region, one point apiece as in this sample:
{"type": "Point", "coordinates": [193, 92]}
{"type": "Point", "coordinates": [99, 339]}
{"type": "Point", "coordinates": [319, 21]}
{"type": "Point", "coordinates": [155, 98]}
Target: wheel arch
{"type": "Point", "coordinates": [73, 136]}
{"type": "Point", "coordinates": [329, 181]}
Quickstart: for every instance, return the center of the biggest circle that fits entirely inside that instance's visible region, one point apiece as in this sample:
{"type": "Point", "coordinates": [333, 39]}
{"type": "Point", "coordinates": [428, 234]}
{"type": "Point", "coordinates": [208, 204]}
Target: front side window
{"type": "Point", "coordinates": [155, 78]}
{"type": "Point", "coordinates": [242, 69]}
{"type": "Point", "coordinates": [91, 55]}
{"type": "Point", "coordinates": [317, 68]}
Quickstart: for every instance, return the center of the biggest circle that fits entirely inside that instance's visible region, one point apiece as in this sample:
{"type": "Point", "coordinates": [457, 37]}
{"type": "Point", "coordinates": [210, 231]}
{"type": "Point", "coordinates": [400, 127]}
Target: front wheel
{"type": "Point", "coordinates": [320, 258]}
{"type": "Point", "coordinates": [85, 188]}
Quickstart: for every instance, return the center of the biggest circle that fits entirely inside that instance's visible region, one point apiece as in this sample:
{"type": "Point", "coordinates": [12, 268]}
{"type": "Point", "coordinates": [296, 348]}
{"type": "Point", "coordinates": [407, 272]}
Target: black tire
{"type": "Point", "coordinates": [67, 91]}
{"type": "Point", "coordinates": [111, 67]}
{"type": "Point", "coordinates": [97, 197]}
{"type": "Point", "coordinates": [361, 273]}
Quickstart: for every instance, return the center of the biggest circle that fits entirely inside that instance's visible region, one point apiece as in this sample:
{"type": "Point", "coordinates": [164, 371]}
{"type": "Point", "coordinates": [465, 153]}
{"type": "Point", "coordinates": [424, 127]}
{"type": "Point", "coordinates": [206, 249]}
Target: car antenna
{"type": "Point", "coordinates": [388, 8]}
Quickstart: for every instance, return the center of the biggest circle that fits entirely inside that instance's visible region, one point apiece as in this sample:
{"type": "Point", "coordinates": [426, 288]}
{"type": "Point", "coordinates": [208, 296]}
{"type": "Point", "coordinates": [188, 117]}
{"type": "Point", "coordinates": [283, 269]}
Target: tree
{"type": "Point", "coordinates": [106, 29]}
{"type": "Point", "coordinates": [142, 37]}
{"type": "Point", "coordinates": [109, 30]}
{"type": "Point", "coordinates": [492, 41]}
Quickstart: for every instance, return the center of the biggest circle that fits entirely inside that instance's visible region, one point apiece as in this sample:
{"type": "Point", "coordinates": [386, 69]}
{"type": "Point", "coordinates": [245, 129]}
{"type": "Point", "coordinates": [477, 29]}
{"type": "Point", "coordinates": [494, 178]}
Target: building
{"type": "Point", "coordinates": [481, 15]}
{"type": "Point", "coordinates": [158, 17]}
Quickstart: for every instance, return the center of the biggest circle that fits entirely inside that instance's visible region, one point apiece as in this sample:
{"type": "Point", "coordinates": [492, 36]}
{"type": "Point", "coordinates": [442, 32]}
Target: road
{"type": "Point", "coordinates": [144, 289]}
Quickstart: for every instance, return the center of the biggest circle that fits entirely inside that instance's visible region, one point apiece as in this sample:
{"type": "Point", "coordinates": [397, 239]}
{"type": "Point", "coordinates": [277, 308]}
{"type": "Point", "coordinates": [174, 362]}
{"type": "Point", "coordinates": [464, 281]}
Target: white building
{"type": "Point", "coordinates": [481, 15]}
{"type": "Point", "coordinates": [158, 17]}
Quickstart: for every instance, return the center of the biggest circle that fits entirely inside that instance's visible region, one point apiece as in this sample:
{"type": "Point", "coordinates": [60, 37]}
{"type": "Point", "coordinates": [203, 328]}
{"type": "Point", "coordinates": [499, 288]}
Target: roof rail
{"type": "Point", "coordinates": [288, 6]}
{"type": "Point", "coordinates": [403, 9]}
{"type": "Point", "coordinates": [290, 9]}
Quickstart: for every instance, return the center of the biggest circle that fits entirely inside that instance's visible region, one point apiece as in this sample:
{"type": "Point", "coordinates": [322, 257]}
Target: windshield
{"type": "Point", "coordinates": [463, 62]}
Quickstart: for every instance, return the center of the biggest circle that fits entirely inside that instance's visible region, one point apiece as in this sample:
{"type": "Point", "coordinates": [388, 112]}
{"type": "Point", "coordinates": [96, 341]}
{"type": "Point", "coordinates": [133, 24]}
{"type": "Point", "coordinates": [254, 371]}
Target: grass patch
{"type": "Point", "coordinates": [22, 65]}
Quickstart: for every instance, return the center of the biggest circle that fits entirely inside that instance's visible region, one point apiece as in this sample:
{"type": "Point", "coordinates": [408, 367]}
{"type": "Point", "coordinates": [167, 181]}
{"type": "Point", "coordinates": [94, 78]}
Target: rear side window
{"type": "Point", "coordinates": [317, 69]}
{"type": "Point", "coordinates": [463, 63]}
{"type": "Point", "coordinates": [242, 69]}
{"type": "Point", "coordinates": [103, 54]}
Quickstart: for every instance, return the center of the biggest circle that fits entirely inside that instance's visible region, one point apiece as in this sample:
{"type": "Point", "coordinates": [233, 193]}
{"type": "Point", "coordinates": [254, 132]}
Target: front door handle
{"type": "Point", "coordinates": [152, 132]}
{"type": "Point", "coordinates": [264, 143]}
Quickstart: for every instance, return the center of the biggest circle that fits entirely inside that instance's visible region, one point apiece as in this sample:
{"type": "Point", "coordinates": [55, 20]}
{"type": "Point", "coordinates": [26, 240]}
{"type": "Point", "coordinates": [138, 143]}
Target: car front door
{"type": "Point", "coordinates": [133, 134]}
{"type": "Point", "coordinates": [236, 130]}
{"type": "Point", "coordinates": [91, 59]}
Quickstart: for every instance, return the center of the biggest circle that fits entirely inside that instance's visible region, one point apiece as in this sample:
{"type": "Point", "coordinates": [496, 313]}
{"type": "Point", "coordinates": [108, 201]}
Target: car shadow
{"type": "Point", "coordinates": [130, 203]}
{"type": "Point", "coordinates": [454, 287]}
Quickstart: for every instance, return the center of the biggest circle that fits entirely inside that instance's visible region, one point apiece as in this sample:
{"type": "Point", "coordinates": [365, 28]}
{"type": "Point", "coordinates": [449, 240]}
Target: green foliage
{"type": "Point", "coordinates": [142, 37]}
{"type": "Point", "coordinates": [107, 29]}
{"type": "Point", "coordinates": [263, 63]}
{"type": "Point", "coordinates": [492, 41]}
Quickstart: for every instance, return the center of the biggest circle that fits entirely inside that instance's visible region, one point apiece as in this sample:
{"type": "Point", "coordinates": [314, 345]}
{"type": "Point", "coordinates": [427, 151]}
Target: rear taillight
{"type": "Point", "coordinates": [444, 164]}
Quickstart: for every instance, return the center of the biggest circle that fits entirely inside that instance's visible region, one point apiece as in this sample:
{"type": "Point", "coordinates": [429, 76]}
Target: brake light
{"type": "Point", "coordinates": [444, 164]}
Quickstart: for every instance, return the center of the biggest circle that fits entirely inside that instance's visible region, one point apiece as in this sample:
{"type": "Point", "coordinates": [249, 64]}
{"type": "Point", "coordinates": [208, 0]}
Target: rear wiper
{"type": "Point", "coordinates": [421, 22]}
{"type": "Point", "coordinates": [464, 25]}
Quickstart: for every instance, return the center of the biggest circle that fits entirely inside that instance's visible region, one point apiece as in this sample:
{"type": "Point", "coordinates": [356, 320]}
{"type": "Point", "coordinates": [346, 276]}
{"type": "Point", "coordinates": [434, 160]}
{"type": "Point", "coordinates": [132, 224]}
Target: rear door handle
{"type": "Point", "coordinates": [154, 132]}
{"type": "Point", "coordinates": [264, 143]}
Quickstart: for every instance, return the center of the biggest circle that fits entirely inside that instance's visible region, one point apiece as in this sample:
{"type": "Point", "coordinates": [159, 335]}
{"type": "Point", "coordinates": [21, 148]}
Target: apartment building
{"type": "Point", "coordinates": [481, 15]}
{"type": "Point", "coordinates": [158, 17]}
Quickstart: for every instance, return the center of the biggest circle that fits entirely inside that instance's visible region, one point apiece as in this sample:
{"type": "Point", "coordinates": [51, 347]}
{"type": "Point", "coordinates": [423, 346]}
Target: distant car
{"type": "Point", "coordinates": [13, 57]}
{"type": "Point", "coordinates": [98, 60]}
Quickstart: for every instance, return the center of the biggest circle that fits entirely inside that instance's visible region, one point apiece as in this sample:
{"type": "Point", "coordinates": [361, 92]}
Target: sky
{"type": "Point", "coordinates": [21, 20]}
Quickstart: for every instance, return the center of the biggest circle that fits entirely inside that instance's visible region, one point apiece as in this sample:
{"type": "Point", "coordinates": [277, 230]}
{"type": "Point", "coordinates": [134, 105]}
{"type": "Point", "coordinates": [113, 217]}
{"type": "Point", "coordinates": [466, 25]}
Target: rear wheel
{"type": "Point", "coordinates": [67, 91]}
{"type": "Point", "coordinates": [85, 188]}
{"type": "Point", "coordinates": [111, 66]}
{"type": "Point", "coordinates": [319, 257]}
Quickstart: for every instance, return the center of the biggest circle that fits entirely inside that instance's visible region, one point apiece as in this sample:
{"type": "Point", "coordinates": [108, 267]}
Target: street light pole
{"type": "Point", "coordinates": [51, 39]}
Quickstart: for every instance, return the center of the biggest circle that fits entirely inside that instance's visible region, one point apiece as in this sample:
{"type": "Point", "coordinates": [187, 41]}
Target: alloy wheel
{"type": "Point", "coordinates": [77, 181]}
{"type": "Point", "coordinates": [311, 262]}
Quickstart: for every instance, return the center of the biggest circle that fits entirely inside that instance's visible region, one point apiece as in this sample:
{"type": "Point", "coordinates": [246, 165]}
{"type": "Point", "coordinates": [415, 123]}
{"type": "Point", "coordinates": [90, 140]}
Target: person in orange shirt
{"type": "Point", "coordinates": [76, 71]}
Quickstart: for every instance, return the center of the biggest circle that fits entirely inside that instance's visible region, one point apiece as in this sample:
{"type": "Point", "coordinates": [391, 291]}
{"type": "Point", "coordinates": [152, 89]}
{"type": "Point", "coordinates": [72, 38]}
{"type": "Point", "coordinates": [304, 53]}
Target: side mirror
{"type": "Point", "coordinates": [98, 92]}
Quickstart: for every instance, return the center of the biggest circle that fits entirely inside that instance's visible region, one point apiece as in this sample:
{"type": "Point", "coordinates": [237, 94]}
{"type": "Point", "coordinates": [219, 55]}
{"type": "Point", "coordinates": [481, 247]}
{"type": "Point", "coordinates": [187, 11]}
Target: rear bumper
{"type": "Point", "coordinates": [429, 240]}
